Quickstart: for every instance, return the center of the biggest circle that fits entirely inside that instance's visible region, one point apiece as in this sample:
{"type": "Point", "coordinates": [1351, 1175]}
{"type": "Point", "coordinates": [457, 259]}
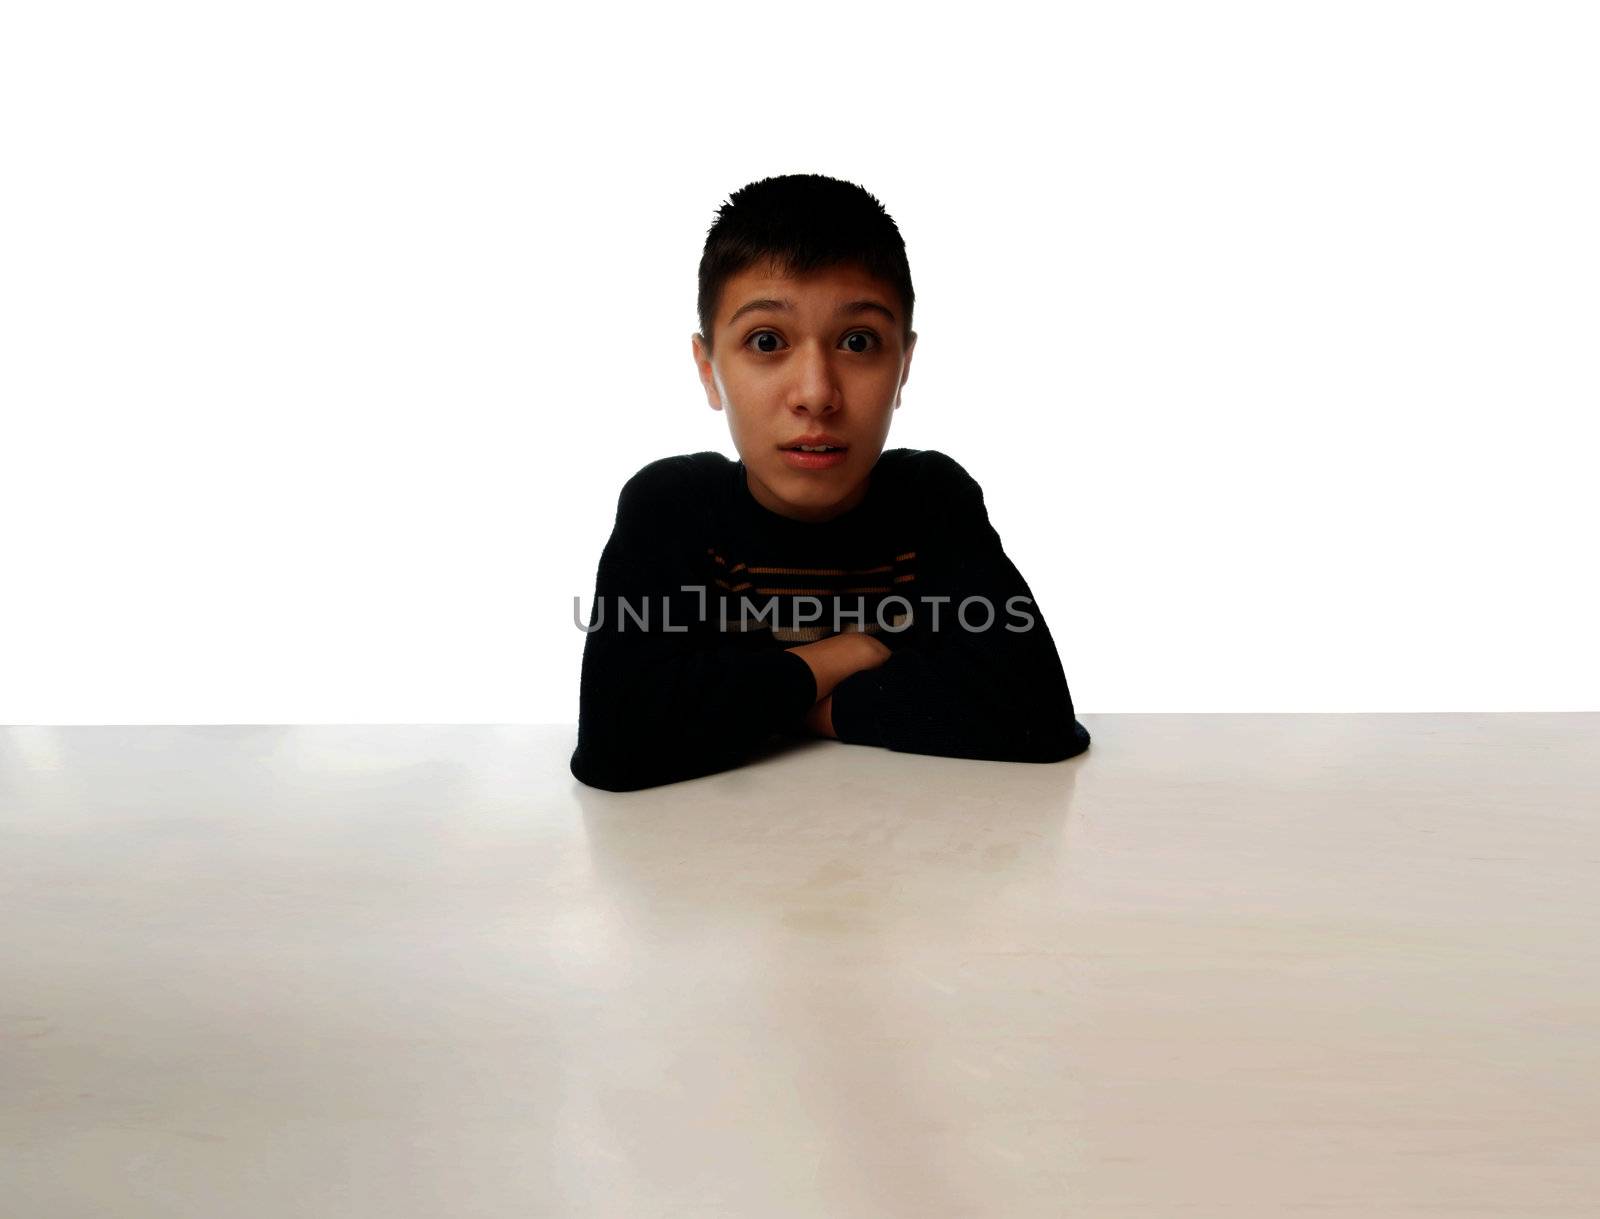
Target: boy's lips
{"type": "Point", "coordinates": [796, 459]}
{"type": "Point", "coordinates": [815, 439]}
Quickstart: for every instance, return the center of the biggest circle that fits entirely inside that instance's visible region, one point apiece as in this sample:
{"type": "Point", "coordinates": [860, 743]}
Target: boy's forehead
{"type": "Point", "coordinates": [822, 288]}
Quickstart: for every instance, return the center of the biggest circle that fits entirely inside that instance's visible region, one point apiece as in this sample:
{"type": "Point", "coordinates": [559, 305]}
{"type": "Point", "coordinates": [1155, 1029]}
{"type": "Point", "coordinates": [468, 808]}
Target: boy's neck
{"type": "Point", "coordinates": [763, 496]}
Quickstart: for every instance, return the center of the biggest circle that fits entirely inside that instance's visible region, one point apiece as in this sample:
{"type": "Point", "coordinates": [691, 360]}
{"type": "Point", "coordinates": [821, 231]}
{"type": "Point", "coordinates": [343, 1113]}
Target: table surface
{"type": "Point", "coordinates": [1221, 965]}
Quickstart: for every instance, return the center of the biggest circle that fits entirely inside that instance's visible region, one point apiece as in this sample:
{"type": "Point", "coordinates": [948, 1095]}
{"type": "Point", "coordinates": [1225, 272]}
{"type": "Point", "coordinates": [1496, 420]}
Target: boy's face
{"type": "Point", "coordinates": [795, 357]}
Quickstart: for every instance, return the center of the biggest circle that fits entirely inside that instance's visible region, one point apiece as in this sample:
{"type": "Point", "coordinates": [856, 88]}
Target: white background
{"type": "Point", "coordinates": [329, 332]}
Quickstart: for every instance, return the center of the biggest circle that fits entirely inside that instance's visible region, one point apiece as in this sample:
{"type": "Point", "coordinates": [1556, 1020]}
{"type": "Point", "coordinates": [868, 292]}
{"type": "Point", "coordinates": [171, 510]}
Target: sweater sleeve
{"type": "Point", "coordinates": [670, 699]}
{"type": "Point", "coordinates": [995, 693]}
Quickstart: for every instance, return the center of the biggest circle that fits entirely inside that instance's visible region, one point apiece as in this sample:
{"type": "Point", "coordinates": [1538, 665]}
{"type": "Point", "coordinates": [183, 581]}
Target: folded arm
{"type": "Point", "coordinates": [658, 705]}
{"type": "Point", "coordinates": [996, 693]}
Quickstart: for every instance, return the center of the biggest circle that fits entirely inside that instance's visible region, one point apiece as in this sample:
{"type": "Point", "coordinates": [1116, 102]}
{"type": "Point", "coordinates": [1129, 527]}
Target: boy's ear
{"type": "Point", "coordinates": [702, 365]}
{"type": "Point", "coordinates": [905, 371]}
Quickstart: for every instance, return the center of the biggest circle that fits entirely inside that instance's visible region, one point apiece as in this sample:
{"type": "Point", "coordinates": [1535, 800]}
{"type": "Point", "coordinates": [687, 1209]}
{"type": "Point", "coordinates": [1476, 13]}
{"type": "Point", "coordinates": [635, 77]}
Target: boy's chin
{"type": "Point", "coordinates": [819, 496]}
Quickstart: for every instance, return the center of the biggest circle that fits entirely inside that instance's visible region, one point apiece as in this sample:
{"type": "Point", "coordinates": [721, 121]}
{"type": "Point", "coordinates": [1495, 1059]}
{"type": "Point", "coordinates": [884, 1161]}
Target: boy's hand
{"type": "Point", "coordinates": [819, 720]}
{"type": "Point", "coordinates": [878, 650]}
{"type": "Point", "coordinates": [838, 656]}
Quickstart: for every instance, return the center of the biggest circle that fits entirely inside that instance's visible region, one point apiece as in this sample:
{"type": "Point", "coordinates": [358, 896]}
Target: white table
{"type": "Point", "coordinates": [1225, 965]}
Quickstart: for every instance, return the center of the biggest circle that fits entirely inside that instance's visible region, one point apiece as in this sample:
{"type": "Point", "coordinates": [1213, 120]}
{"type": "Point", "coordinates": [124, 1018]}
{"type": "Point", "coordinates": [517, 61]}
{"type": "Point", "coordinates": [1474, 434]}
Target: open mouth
{"type": "Point", "coordinates": [813, 456]}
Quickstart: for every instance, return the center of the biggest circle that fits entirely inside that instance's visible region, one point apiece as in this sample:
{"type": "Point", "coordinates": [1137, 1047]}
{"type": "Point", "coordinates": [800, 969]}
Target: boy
{"type": "Point", "coordinates": [821, 584]}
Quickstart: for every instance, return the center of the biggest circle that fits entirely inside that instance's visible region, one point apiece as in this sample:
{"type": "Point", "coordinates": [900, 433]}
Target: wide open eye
{"type": "Point", "coordinates": [873, 341]}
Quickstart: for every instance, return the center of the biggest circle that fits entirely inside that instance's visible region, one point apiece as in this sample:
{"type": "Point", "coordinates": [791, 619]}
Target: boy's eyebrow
{"type": "Point", "coordinates": [854, 307]}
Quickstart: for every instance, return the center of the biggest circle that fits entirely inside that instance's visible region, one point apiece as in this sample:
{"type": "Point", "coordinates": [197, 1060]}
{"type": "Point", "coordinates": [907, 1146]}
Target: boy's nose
{"type": "Point", "coordinates": [816, 388]}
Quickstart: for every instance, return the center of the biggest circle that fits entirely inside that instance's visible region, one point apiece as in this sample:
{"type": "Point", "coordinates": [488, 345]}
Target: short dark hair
{"type": "Point", "coordinates": [801, 223]}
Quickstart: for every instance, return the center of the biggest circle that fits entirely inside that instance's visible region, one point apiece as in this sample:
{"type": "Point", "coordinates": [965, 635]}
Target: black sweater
{"type": "Point", "coordinates": [667, 693]}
